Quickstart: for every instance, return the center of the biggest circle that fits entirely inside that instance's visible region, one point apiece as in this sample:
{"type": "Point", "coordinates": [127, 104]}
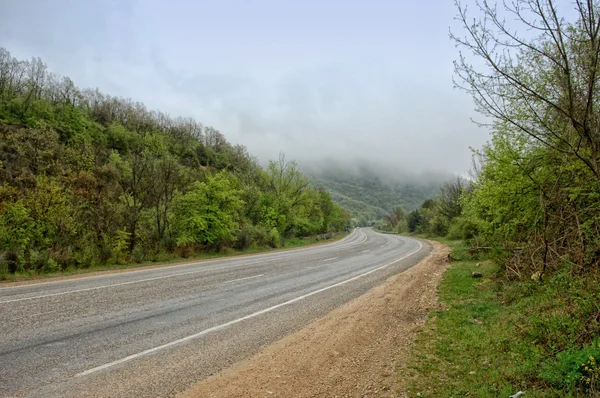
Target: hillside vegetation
{"type": "Point", "coordinates": [367, 197]}
{"type": "Point", "coordinates": [531, 320]}
{"type": "Point", "coordinates": [86, 178]}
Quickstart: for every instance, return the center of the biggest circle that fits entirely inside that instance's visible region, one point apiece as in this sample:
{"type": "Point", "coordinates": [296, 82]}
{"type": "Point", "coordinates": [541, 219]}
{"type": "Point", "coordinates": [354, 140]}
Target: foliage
{"type": "Point", "coordinates": [88, 179]}
{"type": "Point", "coordinates": [369, 198]}
{"type": "Point", "coordinates": [438, 215]}
{"type": "Point", "coordinates": [536, 191]}
{"type": "Point", "coordinates": [494, 338]}
{"type": "Point", "coordinates": [575, 369]}
{"type": "Point", "coordinates": [532, 321]}
{"type": "Point", "coordinates": [208, 212]}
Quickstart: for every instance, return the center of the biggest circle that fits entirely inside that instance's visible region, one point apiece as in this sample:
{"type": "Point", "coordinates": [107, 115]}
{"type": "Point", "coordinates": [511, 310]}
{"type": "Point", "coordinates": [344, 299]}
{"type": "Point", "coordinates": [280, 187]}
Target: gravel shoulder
{"type": "Point", "coordinates": [357, 350]}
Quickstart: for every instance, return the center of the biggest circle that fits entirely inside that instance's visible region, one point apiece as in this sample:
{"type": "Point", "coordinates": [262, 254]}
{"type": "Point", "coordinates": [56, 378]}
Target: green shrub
{"type": "Point", "coordinates": [50, 266]}
{"type": "Point", "coordinates": [274, 238]}
{"type": "Point", "coordinates": [11, 261]}
{"type": "Point", "coordinates": [575, 369]}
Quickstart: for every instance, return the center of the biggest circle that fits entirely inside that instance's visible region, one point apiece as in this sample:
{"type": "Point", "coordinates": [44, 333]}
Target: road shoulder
{"type": "Point", "coordinates": [356, 350]}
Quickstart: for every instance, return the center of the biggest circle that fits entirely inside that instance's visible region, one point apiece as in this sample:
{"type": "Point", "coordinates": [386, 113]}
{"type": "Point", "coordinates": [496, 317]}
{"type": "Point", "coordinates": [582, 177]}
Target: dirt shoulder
{"type": "Point", "coordinates": [354, 351]}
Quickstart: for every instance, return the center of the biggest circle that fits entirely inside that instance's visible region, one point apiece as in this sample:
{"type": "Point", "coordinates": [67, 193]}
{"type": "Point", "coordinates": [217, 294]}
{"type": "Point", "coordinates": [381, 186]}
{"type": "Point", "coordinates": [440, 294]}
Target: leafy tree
{"type": "Point", "coordinates": [536, 194]}
{"type": "Point", "coordinates": [543, 88]}
{"type": "Point", "coordinates": [208, 214]}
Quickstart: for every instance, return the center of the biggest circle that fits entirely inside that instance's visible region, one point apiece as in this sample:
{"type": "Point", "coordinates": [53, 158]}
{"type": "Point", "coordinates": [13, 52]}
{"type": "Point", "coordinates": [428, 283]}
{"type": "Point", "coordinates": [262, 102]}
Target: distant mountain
{"type": "Point", "coordinates": [368, 197]}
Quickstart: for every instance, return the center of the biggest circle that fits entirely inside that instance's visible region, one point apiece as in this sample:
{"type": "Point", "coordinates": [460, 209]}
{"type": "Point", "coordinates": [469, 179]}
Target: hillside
{"type": "Point", "coordinates": [87, 178]}
{"type": "Point", "coordinates": [368, 197]}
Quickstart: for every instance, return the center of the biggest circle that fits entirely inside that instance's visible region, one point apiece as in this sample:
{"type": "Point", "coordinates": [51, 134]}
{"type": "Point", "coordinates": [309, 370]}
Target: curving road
{"type": "Point", "coordinates": [154, 332]}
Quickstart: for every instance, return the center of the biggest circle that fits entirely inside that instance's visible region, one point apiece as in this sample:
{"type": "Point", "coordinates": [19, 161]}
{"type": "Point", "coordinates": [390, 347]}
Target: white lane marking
{"type": "Point", "coordinates": [243, 279]}
{"type": "Point", "coordinates": [330, 259]}
{"type": "Point", "coordinates": [113, 285]}
{"type": "Point", "coordinates": [368, 250]}
{"type": "Point", "coordinates": [382, 246]}
{"type": "Point", "coordinates": [338, 243]}
{"type": "Point", "coordinates": [238, 320]}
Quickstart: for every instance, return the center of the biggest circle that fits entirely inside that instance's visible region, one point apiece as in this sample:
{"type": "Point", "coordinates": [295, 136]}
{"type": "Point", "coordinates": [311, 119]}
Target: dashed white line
{"type": "Point", "coordinates": [238, 320]}
{"type": "Point", "coordinates": [330, 259]}
{"type": "Point", "coordinates": [368, 250]}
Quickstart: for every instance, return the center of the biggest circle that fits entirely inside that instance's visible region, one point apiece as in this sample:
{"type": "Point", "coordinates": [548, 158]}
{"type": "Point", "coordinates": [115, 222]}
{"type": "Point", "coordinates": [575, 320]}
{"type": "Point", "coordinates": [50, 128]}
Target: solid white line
{"type": "Point", "coordinates": [142, 280]}
{"type": "Point", "coordinates": [244, 318]}
{"type": "Point", "coordinates": [243, 279]}
{"type": "Point", "coordinates": [113, 285]}
{"type": "Point", "coordinates": [340, 243]}
{"type": "Point", "coordinates": [330, 259]}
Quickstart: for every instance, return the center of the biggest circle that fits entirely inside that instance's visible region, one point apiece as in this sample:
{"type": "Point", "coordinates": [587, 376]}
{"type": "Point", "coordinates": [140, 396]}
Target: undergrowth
{"type": "Point", "coordinates": [494, 338]}
{"type": "Point", "coordinates": [46, 272]}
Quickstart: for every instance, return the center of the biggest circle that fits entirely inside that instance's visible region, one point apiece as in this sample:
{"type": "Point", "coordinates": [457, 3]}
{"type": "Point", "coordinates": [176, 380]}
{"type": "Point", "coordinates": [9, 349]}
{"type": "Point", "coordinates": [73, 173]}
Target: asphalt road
{"type": "Point", "coordinates": [154, 332]}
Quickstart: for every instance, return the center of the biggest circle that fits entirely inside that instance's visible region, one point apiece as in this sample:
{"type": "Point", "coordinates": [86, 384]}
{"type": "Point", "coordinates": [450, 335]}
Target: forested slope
{"type": "Point", "coordinates": [87, 178]}
{"type": "Point", "coordinates": [368, 198]}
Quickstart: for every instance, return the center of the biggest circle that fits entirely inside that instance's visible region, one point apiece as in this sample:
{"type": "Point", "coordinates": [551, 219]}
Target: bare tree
{"type": "Point", "coordinates": [450, 195]}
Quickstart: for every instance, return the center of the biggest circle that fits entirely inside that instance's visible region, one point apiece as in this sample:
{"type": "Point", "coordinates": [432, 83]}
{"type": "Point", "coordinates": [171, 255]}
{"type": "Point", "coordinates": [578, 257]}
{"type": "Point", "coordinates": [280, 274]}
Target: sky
{"type": "Point", "coordinates": [344, 80]}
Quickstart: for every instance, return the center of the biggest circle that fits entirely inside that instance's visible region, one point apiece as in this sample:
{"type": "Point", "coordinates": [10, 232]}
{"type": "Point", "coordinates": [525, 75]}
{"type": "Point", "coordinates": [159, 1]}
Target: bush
{"type": "Point", "coordinates": [37, 260]}
{"type": "Point", "coordinates": [461, 228]}
{"type": "Point", "coordinates": [186, 251]}
{"type": "Point", "coordinates": [12, 261]}
{"type": "Point", "coordinates": [575, 369]}
{"type": "Point", "coordinates": [274, 238]}
{"type": "Point", "coordinates": [50, 266]}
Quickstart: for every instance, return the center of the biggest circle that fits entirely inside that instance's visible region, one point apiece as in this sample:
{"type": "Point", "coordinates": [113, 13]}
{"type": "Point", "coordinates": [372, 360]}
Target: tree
{"type": "Point", "coordinates": [449, 197]}
{"type": "Point", "coordinates": [209, 213]}
{"type": "Point", "coordinates": [397, 219]}
{"type": "Point", "coordinates": [286, 187]}
{"type": "Point", "coordinates": [137, 182]}
{"type": "Point", "coordinates": [540, 90]}
{"type": "Point", "coordinates": [544, 87]}
{"type": "Point", "coordinates": [89, 178]}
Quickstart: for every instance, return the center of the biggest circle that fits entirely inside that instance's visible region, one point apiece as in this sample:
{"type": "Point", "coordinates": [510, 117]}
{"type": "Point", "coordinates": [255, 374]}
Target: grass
{"type": "Point", "coordinates": [6, 277]}
{"type": "Point", "coordinates": [493, 338]}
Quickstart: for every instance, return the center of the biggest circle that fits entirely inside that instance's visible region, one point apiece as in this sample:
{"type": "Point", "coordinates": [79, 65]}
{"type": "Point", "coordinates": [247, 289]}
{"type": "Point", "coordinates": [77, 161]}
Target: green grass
{"type": "Point", "coordinates": [6, 277]}
{"type": "Point", "coordinates": [493, 338]}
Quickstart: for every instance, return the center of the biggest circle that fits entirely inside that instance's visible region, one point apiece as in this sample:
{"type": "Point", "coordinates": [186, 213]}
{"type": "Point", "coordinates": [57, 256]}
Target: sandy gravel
{"type": "Point", "coordinates": [354, 351]}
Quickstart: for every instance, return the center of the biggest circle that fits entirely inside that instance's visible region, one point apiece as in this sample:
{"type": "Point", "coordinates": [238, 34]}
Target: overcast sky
{"type": "Point", "coordinates": [316, 79]}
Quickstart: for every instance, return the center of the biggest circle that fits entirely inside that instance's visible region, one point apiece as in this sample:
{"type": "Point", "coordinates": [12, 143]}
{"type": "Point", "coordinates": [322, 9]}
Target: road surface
{"type": "Point", "coordinates": [154, 332]}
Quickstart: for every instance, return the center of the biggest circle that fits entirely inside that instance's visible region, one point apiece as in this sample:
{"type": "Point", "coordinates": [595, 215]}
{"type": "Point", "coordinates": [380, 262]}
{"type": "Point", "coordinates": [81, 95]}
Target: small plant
{"type": "Point", "coordinates": [50, 266]}
{"type": "Point", "coordinates": [575, 369]}
{"type": "Point", "coordinates": [590, 375]}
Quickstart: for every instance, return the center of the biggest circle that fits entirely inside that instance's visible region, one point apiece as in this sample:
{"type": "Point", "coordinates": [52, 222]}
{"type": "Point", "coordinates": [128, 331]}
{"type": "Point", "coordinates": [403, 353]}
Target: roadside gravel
{"type": "Point", "coordinates": [357, 350]}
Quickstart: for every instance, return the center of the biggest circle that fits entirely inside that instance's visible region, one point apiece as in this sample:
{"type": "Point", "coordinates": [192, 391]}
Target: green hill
{"type": "Point", "coordinates": [90, 179]}
{"type": "Point", "coordinates": [368, 197]}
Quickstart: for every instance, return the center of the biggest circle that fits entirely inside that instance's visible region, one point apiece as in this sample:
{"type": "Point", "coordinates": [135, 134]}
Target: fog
{"type": "Point", "coordinates": [352, 84]}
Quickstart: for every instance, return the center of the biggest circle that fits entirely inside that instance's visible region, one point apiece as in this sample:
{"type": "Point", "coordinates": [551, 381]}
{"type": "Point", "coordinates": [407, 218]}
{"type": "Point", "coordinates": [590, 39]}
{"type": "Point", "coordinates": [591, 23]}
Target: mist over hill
{"type": "Point", "coordinates": [369, 191]}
